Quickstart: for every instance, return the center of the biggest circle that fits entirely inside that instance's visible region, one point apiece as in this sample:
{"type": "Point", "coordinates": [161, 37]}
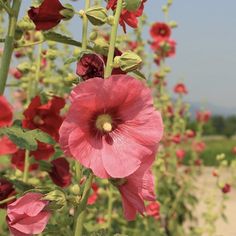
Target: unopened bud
{"type": "Point", "coordinates": [57, 199]}
{"type": "Point", "coordinates": [173, 24]}
{"type": "Point", "coordinates": [24, 67]}
{"type": "Point", "coordinates": [97, 15]}
{"type": "Point", "coordinates": [68, 12]}
{"type": "Point", "coordinates": [93, 35]}
{"type": "Point", "coordinates": [132, 5]}
{"type": "Point", "coordinates": [26, 24]}
{"type": "Point", "coordinates": [75, 189]}
{"type": "Point", "coordinates": [128, 61]}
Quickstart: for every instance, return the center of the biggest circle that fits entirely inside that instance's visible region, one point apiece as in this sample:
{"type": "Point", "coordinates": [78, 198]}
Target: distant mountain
{"type": "Point", "coordinates": [215, 109]}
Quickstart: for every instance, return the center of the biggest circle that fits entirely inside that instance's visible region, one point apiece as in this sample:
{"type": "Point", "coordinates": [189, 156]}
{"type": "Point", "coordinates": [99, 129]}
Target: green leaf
{"type": "Point", "coordinates": [41, 136]}
{"type": "Point", "coordinates": [52, 36]}
{"type": "Point", "coordinates": [139, 75]}
{"type": "Point", "coordinates": [70, 60]}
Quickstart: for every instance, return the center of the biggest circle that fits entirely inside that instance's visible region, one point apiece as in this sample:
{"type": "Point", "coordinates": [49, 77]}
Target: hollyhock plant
{"type": "Point", "coordinates": [6, 145]}
{"type": "Point", "coordinates": [47, 15]}
{"type": "Point", "coordinates": [128, 17]}
{"type": "Point", "coordinates": [160, 31]}
{"type": "Point", "coordinates": [180, 88]}
{"type": "Point", "coordinates": [104, 116]}
{"type": "Point", "coordinates": [203, 116]}
{"type": "Point", "coordinates": [60, 172]}
{"type": "Point", "coordinates": [28, 215]}
{"type": "Point", "coordinates": [45, 117]}
{"type": "Point", "coordinates": [90, 65]}
{"type": "Point", "coordinates": [6, 190]}
{"type": "Point", "coordinates": [153, 210]}
{"type": "Point", "coordinates": [134, 189]}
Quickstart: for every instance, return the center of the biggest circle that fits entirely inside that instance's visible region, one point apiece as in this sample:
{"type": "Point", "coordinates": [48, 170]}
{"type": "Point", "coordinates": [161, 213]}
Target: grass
{"type": "Point", "coordinates": [214, 147]}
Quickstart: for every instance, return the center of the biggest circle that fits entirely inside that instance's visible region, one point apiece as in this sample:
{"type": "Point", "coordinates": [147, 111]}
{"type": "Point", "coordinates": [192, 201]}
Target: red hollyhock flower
{"type": "Point", "coordinates": [89, 66]}
{"type": "Point", "coordinates": [160, 30]}
{"type": "Point", "coordinates": [127, 17]}
{"type": "Point", "coordinates": [17, 74]}
{"type": "Point", "coordinates": [45, 117]}
{"type": "Point", "coordinates": [47, 15]}
{"type": "Point", "coordinates": [176, 138]}
{"type": "Point", "coordinates": [44, 152]}
{"type": "Point", "coordinates": [94, 196]}
{"type": "Point", "coordinates": [180, 153]}
{"type": "Point", "coordinates": [180, 89]}
{"type": "Point", "coordinates": [6, 190]}
{"type": "Point", "coordinates": [234, 150]}
{"type": "Point", "coordinates": [153, 210]}
{"type": "Point", "coordinates": [6, 145]}
{"type": "Point", "coordinates": [163, 48]}
{"type": "Point", "coordinates": [60, 172]}
{"type": "Point", "coordinates": [198, 146]}
{"type": "Point", "coordinates": [190, 133]}
{"type": "Point", "coordinates": [226, 188]}
{"type": "Point", "coordinates": [203, 116]}
{"type": "Point", "coordinates": [104, 117]}
{"type": "Point", "coordinates": [198, 162]}
{"type": "Point", "coordinates": [136, 188]}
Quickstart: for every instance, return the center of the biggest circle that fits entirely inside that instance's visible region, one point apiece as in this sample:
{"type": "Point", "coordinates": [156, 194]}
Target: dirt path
{"type": "Point", "coordinates": [208, 191]}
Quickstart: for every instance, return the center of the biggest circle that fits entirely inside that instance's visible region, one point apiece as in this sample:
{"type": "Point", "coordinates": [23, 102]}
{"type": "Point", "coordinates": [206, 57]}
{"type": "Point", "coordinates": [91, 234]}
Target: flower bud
{"type": "Point", "coordinates": [68, 12]}
{"type": "Point", "coordinates": [128, 61]}
{"type": "Point", "coordinates": [18, 33]}
{"type": "Point", "coordinates": [169, 2]}
{"type": "Point", "coordinates": [26, 24]}
{"type": "Point", "coordinates": [173, 24]}
{"type": "Point", "coordinates": [75, 189]}
{"type": "Point", "coordinates": [110, 20]}
{"type": "Point", "coordinates": [93, 36]}
{"type": "Point", "coordinates": [101, 46]}
{"type": "Point", "coordinates": [51, 54]}
{"type": "Point", "coordinates": [57, 199]}
{"type": "Point", "coordinates": [97, 15]}
{"type": "Point", "coordinates": [24, 67]}
{"type": "Point", "coordinates": [132, 5]}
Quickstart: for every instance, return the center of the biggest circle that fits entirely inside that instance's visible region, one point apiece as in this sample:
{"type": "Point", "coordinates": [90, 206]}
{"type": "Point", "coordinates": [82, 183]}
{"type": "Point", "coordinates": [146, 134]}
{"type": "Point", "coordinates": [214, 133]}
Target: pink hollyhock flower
{"type": "Point", "coordinates": [17, 74]}
{"type": "Point", "coordinates": [180, 89]}
{"type": "Point", "coordinates": [203, 116]}
{"type": "Point", "coordinates": [176, 138]}
{"type": "Point", "coordinates": [94, 196]}
{"type": "Point", "coordinates": [45, 117]}
{"type": "Point", "coordinates": [180, 153]}
{"type": "Point", "coordinates": [160, 30]}
{"type": "Point", "coordinates": [60, 172]}
{"type": "Point", "coordinates": [226, 188]}
{"type": "Point", "coordinates": [111, 126]}
{"type": "Point", "coordinates": [190, 133]}
{"type": "Point", "coordinates": [6, 190]}
{"type": "Point", "coordinates": [153, 210]}
{"type": "Point", "coordinates": [136, 188]}
{"type": "Point", "coordinates": [127, 17]}
{"type": "Point", "coordinates": [27, 215]}
{"type": "Point", "coordinates": [89, 66]}
{"type": "Point", "coordinates": [47, 15]}
{"type": "Point", "coordinates": [6, 145]}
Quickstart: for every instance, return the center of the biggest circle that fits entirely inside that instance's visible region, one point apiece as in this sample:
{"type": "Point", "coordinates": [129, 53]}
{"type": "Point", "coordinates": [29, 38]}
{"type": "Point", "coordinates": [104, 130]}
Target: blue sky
{"type": "Point", "coordinates": [206, 50]}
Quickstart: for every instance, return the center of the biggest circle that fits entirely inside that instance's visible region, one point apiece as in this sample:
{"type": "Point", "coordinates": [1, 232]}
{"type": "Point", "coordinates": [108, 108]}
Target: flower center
{"type": "Point", "coordinates": [104, 123]}
{"type": "Point", "coordinates": [38, 120]}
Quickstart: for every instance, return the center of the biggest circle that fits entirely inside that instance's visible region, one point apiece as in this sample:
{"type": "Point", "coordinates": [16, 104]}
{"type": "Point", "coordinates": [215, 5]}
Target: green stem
{"type": "Point", "coordinates": [9, 45]}
{"type": "Point", "coordinates": [38, 65]}
{"type": "Point", "coordinates": [110, 206]}
{"type": "Point", "coordinates": [26, 167]}
{"type": "Point", "coordinates": [7, 200]}
{"type": "Point", "coordinates": [31, 44]}
{"type": "Point", "coordinates": [80, 212]}
{"type": "Point", "coordinates": [113, 36]}
{"type": "Point", "coordinates": [6, 7]}
{"type": "Point", "coordinates": [85, 27]}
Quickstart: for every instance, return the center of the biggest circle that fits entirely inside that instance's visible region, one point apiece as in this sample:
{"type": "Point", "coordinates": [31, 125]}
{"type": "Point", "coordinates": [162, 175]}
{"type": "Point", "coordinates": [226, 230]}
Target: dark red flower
{"type": "Point", "coordinates": [47, 15]}
{"type": "Point", "coordinates": [153, 210]}
{"type": "Point", "coordinates": [176, 138]}
{"type": "Point", "coordinates": [44, 152]}
{"type": "Point", "coordinates": [180, 89]}
{"type": "Point", "coordinates": [226, 188]}
{"type": "Point", "coordinates": [45, 117]}
{"type": "Point", "coordinates": [6, 190]}
{"type": "Point", "coordinates": [17, 74]}
{"type": "Point", "coordinates": [89, 66]}
{"type": "Point", "coordinates": [60, 172]}
{"type": "Point", "coordinates": [127, 17]}
{"type": "Point", "coordinates": [160, 30]}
